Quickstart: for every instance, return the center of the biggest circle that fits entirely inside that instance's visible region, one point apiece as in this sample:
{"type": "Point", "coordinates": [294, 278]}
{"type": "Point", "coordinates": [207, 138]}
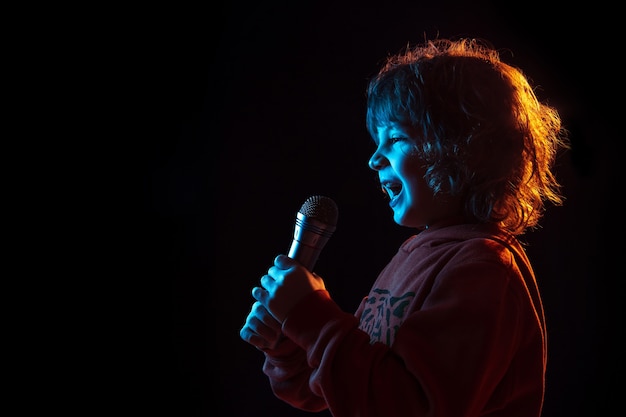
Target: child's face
{"type": "Point", "coordinates": [401, 175]}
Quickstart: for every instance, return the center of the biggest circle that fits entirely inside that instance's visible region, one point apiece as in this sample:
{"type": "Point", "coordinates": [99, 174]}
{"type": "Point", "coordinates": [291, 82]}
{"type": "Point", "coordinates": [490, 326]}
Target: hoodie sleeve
{"type": "Point", "coordinates": [448, 359]}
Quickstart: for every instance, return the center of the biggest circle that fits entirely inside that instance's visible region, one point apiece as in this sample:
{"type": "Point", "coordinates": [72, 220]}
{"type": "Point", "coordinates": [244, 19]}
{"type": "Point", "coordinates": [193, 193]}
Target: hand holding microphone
{"type": "Point", "coordinates": [291, 278]}
{"type": "Point", "coordinates": [286, 283]}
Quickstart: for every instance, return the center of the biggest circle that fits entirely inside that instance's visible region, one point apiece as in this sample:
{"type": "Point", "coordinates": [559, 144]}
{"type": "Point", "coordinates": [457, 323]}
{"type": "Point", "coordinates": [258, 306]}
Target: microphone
{"type": "Point", "coordinates": [315, 224]}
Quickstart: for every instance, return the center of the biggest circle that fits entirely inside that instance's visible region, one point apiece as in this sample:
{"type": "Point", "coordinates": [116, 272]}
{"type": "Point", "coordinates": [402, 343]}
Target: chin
{"type": "Point", "coordinates": [401, 220]}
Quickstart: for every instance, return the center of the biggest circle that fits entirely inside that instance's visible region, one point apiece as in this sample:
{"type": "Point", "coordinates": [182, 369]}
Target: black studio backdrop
{"type": "Point", "coordinates": [266, 107]}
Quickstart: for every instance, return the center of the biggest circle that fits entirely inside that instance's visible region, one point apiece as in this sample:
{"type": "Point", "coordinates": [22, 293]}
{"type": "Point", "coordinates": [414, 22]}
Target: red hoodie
{"type": "Point", "coordinates": [453, 326]}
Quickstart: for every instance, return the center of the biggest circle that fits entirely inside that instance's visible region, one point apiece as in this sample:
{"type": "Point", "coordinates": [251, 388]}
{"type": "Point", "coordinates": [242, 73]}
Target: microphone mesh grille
{"type": "Point", "coordinates": [321, 208]}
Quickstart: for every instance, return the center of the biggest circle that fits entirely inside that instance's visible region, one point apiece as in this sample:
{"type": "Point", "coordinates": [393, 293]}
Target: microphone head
{"type": "Point", "coordinates": [321, 208]}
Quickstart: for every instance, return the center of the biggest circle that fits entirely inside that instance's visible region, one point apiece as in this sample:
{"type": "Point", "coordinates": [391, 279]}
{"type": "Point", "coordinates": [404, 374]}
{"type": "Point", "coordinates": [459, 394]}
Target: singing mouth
{"type": "Point", "coordinates": [391, 189]}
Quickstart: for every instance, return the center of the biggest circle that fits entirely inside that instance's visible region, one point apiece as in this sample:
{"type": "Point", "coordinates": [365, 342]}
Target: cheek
{"type": "Point", "coordinates": [409, 149]}
{"type": "Point", "coordinates": [419, 190]}
{"type": "Point", "coordinates": [414, 177]}
{"type": "Point", "coordinates": [412, 170]}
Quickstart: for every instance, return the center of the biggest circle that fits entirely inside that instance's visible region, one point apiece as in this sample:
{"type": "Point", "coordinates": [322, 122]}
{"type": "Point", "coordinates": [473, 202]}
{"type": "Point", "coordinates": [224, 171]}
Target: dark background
{"type": "Point", "coordinates": [261, 106]}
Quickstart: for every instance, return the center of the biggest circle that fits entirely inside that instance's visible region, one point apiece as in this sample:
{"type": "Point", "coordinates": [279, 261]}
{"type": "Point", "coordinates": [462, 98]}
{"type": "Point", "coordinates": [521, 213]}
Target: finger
{"type": "Point", "coordinates": [260, 329]}
{"type": "Point", "coordinates": [250, 336]}
{"type": "Point", "coordinates": [285, 262]}
{"type": "Point", "coordinates": [262, 322]}
{"type": "Point", "coordinates": [263, 297]}
{"type": "Point", "coordinates": [259, 294]}
{"type": "Point", "coordinates": [268, 283]}
{"type": "Point", "coordinates": [261, 312]}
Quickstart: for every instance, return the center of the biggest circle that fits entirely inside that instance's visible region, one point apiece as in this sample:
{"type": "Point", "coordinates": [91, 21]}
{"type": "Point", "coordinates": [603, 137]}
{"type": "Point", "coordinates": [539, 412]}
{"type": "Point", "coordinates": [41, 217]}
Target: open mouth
{"type": "Point", "coordinates": [391, 189]}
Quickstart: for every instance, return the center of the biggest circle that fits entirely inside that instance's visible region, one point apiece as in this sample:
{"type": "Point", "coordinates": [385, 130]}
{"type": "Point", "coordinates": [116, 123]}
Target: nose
{"type": "Point", "coordinates": [377, 161]}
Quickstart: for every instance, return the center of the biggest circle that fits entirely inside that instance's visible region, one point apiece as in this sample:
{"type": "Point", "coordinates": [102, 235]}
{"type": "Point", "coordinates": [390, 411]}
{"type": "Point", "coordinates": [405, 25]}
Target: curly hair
{"type": "Point", "coordinates": [478, 127]}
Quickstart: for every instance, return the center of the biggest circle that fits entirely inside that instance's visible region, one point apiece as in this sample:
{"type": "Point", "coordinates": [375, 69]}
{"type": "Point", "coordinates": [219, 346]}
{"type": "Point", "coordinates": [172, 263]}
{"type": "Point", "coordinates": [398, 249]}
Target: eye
{"type": "Point", "coordinates": [396, 139]}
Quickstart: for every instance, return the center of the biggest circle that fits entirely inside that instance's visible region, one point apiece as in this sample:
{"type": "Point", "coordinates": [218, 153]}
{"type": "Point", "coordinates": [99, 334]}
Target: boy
{"type": "Point", "coordinates": [454, 324]}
